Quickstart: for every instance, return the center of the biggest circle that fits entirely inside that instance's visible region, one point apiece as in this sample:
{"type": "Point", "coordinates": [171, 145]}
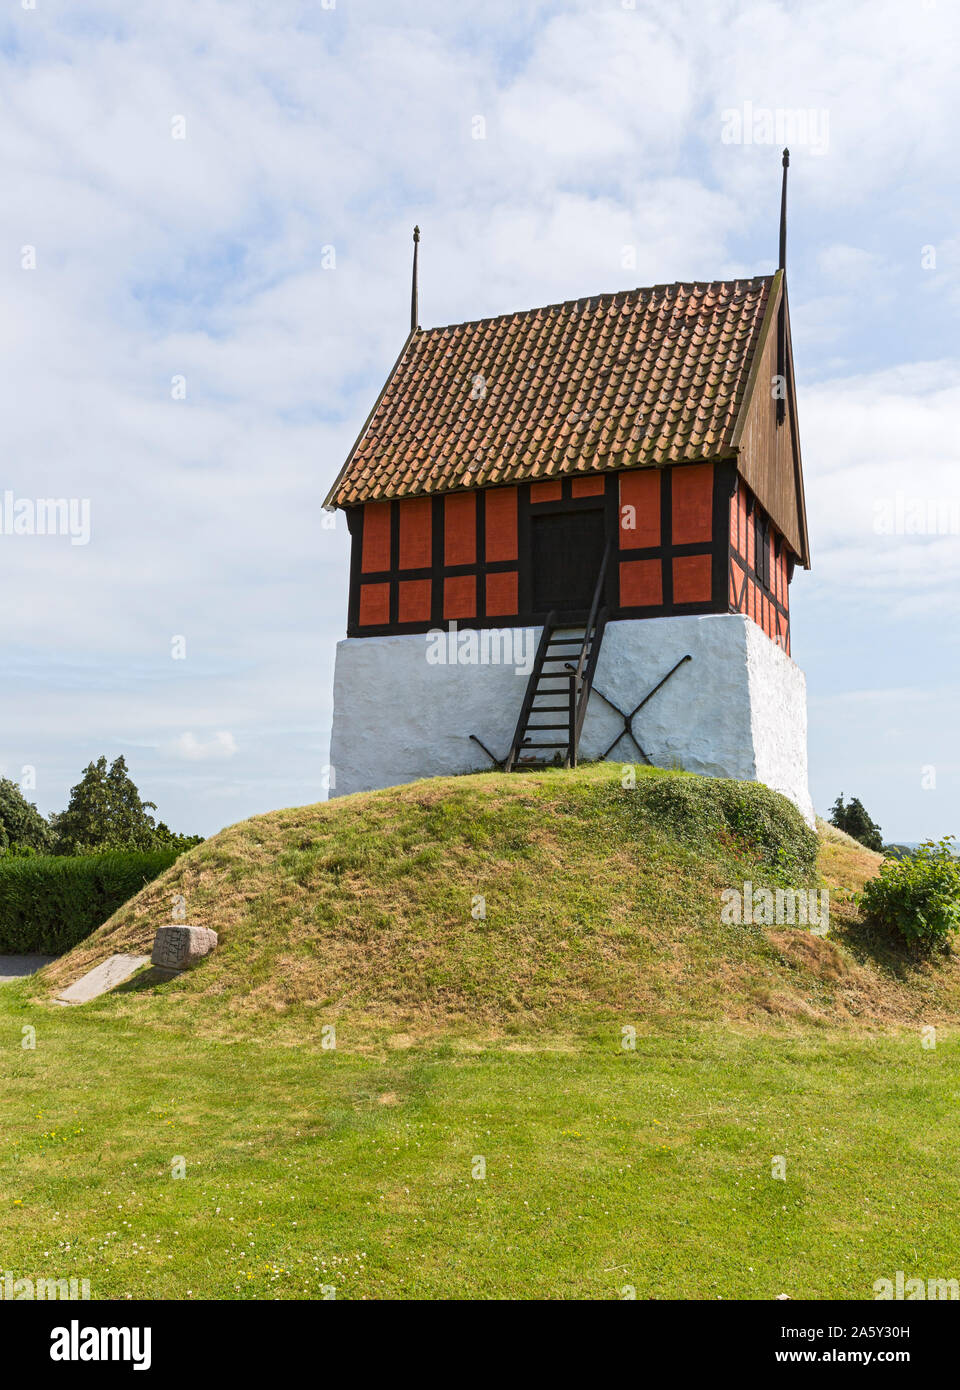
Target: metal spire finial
{"type": "Point", "coordinates": [782, 312]}
{"type": "Point", "coordinates": [783, 212]}
{"type": "Point", "coordinates": [414, 289]}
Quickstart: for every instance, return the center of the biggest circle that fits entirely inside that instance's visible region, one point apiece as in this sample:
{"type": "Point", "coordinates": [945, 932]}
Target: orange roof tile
{"type": "Point", "coordinates": [645, 377]}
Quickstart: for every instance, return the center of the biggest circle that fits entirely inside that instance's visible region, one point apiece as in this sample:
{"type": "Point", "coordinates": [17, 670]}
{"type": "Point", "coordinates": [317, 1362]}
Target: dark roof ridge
{"type": "Point", "coordinates": [609, 295]}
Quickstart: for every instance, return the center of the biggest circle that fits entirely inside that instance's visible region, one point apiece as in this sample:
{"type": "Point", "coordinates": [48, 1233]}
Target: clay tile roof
{"type": "Point", "coordinates": [645, 377]}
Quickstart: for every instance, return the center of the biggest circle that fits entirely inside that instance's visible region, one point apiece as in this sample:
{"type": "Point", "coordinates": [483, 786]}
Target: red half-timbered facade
{"type": "Point", "coordinates": [505, 458]}
{"type": "Point", "coordinates": [690, 539]}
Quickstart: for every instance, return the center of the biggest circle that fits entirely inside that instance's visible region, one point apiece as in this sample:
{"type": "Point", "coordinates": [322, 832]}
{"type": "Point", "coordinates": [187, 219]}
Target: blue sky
{"type": "Point", "coordinates": [264, 260]}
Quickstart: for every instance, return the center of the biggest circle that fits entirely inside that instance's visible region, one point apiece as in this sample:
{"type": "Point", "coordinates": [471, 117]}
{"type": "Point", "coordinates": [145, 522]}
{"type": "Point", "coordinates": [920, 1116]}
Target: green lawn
{"type": "Point", "coordinates": [308, 1168]}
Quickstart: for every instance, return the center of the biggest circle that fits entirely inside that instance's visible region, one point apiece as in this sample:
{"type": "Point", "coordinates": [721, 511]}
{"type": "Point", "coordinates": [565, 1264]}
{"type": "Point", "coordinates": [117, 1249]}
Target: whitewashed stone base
{"type": "Point", "coordinates": [737, 709]}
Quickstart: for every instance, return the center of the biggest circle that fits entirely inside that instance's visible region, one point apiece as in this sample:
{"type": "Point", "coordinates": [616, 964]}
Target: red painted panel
{"type": "Point", "coordinates": [460, 528]}
{"type": "Point", "coordinates": [692, 487]}
{"type": "Point", "coordinates": [374, 605]}
{"type": "Point", "coordinates": [502, 598]}
{"type": "Point", "coordinates": [376, 537]}
{"type": "Point", "coordinates": [501, 523]}
{"type": "Point", "coordinates": [588, 487]}
{"type": "Point", "coordinates": [734, 518]}
{"type": "Point", "coordinates": [415, 533]}
{"type": "Point", "coordinates": [692, 578]}
{"type": "Point", "coordinates": [546, 492]}
{"type": "Point", "coordinates": [641, 583]}
{"type": "Point", "coordinates": [460, 596]}
{"type": "Point", "coordinates": [639, 509]}
{"type": "Point", "coordinates": [413, 601]}
{"type": "Point", "coordinates": [742, 521]}
{"type": "Point", "coordinates": [736, 585]}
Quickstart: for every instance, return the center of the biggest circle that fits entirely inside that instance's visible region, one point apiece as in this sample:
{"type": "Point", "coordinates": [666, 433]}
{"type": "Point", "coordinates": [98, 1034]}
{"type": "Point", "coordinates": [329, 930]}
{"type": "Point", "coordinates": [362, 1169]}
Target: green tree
{"type": "Point", "coordinates": [852, 817]}
{"type": "Point", "coordinates": [918, 898]}
{"type": "Point", "coordinates": [106, 812]}
{"type": "Point", "coordinates": [165, 838]}
{"type": "Point", "coordinates": [22, 828]}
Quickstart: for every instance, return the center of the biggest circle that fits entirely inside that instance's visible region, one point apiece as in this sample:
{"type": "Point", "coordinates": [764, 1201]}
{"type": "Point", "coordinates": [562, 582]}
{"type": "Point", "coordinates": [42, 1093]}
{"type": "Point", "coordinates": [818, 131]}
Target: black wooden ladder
{"type": "Point", "coordinates": [559, 689]}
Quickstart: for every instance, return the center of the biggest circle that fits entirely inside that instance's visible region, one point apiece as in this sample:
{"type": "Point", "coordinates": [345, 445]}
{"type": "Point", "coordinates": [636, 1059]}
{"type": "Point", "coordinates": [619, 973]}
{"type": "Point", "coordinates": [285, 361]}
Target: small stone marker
{"type": "Point", "coordinates": [107, 975]}
{"type": "Point", "coordinates": [178, 947]}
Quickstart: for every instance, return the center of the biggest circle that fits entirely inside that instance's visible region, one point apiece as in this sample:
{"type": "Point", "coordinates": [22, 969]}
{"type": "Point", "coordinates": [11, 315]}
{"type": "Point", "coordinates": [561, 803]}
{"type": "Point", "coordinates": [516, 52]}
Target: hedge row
{"type": "Point", "coordinates": [50, 902]}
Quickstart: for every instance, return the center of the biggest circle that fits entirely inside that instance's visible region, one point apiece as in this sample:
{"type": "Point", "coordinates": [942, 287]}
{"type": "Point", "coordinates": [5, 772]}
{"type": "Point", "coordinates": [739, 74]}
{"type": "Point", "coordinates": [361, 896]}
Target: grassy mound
{"type": "Point", "coordinates": [607, 1167]}
{"type": "Point", "coordinates": [500, 903]}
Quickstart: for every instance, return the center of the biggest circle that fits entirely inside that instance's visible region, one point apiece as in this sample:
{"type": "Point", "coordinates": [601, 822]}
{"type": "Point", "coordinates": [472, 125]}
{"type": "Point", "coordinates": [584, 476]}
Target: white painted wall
{"type": "Point", "coordinates": [738, 709]}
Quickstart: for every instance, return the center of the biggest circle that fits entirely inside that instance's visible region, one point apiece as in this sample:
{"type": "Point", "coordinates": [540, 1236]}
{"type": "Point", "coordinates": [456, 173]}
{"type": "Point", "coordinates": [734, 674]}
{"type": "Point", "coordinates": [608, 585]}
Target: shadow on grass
{"type": "Point", "coordinates": [870, 944]}
{"type": "Point", "coordinates": [146, 979]}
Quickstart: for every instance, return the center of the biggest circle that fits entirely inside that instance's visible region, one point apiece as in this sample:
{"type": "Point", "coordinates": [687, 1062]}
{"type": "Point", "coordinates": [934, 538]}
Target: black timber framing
{"type": "Point", "coordinates": [725, 479]}
{"type": "Point", "coordinates": [437, 541]}
{"type": "Point", "coordinates": [667, 552]}
{"type": "Point", "coordinates": [739, 605]}
{"type": "Point", "coordinates": [355, 527]}
{"type": "Point", "coordinates": [724, 487]}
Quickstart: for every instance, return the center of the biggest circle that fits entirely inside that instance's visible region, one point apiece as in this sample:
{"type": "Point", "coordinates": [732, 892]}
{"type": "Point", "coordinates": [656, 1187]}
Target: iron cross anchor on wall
{"type": "Point", "coordinates": [629, 718]}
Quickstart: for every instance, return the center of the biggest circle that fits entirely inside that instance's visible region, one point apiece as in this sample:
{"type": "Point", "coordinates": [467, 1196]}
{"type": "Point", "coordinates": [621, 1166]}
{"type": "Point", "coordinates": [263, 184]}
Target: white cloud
{"type": "Point", "coordinates": [309, 127]}
{"type": "Point", "coordinates": [849, 263]}
{"type": "Point", "coordinates": [221, 745]}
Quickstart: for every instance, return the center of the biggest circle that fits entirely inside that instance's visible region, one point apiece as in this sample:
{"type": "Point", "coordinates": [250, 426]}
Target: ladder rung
{"type": "Point", "coordinates": [558, 673]}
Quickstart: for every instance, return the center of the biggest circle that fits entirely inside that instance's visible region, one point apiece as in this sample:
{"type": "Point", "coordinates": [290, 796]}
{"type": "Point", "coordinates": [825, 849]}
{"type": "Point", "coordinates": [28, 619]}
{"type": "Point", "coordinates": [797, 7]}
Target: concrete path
{"type": "Point", "coordinates": [15, 967]}
{"type": "Point", "coordinates": [107, 975]}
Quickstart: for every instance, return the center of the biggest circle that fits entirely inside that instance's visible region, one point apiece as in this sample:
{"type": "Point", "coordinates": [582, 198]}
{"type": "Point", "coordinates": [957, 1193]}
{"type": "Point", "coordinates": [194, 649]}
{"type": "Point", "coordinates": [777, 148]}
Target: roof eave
{"type": "Point", "coordinates": [795, 427]}
{"type": "Point", "coordinates": [778, 289]}
{"type": "Point", "coordinates": [769, 317]}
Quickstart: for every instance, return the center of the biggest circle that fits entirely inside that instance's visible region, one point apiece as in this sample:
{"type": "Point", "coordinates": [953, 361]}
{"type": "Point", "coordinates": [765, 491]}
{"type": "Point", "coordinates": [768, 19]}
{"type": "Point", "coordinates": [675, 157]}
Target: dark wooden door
{"type": "Point", "coordinates": [567, 552]}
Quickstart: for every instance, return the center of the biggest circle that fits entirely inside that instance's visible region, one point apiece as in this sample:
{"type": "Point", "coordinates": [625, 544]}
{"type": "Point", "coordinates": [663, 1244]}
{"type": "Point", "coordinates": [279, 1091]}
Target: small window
{"type": "Point", "coordinates": [762, 548]}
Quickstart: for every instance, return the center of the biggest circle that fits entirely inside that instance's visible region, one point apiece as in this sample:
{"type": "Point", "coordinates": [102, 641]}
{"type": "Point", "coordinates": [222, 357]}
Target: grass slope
{"type": "Point", "coordinates": [352, 1169]}
{"type": "Point", "coordinates": [598, 900]}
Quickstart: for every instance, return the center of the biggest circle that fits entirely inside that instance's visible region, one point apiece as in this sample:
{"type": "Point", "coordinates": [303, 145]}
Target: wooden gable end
{"type": "Point", "coordinates": [768, 452]}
